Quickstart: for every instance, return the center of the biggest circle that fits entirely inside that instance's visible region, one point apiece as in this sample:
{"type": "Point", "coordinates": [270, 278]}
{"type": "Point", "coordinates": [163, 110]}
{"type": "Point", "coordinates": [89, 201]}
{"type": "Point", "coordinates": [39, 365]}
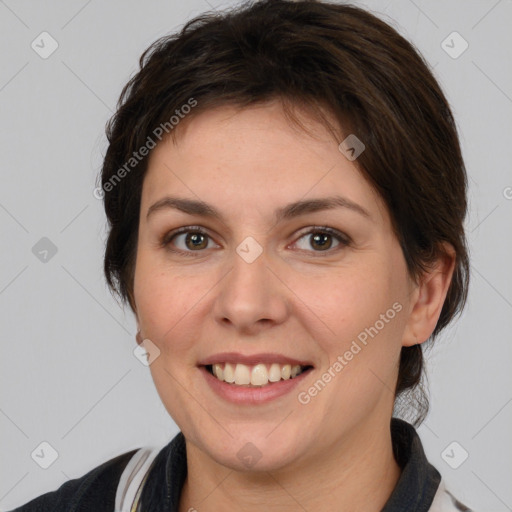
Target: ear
{"type": "Point", "coordinates": [428, 296]}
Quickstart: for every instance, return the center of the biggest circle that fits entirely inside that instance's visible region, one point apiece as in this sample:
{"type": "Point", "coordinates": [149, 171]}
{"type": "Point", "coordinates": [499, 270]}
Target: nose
{"type": "Point", "coordinates": [250, 298]}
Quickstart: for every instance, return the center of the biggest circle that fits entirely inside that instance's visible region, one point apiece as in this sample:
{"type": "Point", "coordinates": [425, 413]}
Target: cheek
{"type": "Point", "coordinates": [165, 298]}
{"type": "Point", "coordinates": [361, 318]}
{"type": "Point", "coordinates": [349, 300]}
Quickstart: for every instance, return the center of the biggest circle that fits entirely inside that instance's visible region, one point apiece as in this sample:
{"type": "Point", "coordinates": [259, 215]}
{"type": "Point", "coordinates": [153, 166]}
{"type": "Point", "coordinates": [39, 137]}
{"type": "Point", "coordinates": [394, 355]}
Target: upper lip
{"type": "Point", "coordinates": [253, 359]}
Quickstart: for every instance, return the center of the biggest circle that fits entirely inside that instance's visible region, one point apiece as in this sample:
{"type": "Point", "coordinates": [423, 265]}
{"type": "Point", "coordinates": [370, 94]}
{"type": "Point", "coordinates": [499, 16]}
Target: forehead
{"type": "Point", "coordinates": [257, 155]}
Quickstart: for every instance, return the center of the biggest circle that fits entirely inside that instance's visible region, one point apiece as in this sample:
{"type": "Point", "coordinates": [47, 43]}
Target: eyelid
{"type": "Point", "coordinates": [342, 238]}
{"type": "Point", "coordinates": [168, 237]}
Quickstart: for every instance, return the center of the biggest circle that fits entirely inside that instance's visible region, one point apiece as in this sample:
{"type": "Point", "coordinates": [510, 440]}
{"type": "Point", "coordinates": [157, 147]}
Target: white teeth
{"type": "Point", "coordinates": [275, 373]}
{"type": "Point", "coordinates": [242, 374]}
{"type": "Point", "coordinates": [229, 373]}
{"type": "Point", "coordinates": [218, 371]}
{"type": "Point", "coordinates": [295, 371]}
{"type": "Point", "coordinates": [257, 375]}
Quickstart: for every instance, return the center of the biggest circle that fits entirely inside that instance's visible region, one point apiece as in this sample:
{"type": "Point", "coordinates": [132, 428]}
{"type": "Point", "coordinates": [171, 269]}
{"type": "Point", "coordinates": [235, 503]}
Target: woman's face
{"type": "Point", "coordinates": [262, 275]}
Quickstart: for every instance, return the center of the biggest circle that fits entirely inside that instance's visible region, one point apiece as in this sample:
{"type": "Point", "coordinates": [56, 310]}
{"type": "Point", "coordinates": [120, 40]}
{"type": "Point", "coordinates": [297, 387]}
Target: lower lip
{"type": "Point", "coordinates": [252, 395]}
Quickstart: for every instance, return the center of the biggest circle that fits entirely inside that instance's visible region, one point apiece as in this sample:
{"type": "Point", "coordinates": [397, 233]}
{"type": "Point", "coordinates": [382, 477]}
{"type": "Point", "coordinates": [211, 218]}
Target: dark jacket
{"type": "Point", "coordinates": [415, 491]}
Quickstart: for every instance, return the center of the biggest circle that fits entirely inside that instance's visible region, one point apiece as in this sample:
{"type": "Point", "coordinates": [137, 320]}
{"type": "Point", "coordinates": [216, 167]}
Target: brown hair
{"type": "Point", "coordinates": [312, 55]}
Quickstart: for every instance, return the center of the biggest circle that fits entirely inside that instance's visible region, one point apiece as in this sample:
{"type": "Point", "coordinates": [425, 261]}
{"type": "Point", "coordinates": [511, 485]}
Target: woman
{"type": "Point", "coordinates": [286, 195]}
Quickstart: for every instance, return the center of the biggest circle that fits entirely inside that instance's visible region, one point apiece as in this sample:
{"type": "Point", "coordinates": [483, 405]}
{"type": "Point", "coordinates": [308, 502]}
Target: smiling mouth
{"type": "Point", "coordinates": [255, 375]}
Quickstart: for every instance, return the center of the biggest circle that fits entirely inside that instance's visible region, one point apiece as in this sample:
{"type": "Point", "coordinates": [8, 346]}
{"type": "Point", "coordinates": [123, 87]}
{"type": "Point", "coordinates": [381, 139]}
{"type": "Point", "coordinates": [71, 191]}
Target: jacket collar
{"type": "Point", "coordinates": [419, 480]}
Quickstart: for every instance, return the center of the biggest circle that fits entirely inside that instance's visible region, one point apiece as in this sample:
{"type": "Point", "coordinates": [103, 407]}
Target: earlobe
{"type": "Point", "coordinates": [428, 298]}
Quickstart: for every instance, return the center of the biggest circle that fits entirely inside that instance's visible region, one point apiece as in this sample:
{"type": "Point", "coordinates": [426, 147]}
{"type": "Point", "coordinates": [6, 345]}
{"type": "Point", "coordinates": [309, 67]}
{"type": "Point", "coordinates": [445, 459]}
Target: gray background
{"type": "Point", "coordinates": [69, 374]}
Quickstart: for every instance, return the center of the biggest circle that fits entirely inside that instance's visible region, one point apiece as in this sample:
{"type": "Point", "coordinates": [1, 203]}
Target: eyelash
{"type": "Point", "coordinates": [344, 240]}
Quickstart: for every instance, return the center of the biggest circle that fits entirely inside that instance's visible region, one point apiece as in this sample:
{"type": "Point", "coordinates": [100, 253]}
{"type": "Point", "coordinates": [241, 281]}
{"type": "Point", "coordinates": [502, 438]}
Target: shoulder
{"type": "Point", "coordinates": [444, 501]}
{"type": "Point", "coordinates": [94, 491]}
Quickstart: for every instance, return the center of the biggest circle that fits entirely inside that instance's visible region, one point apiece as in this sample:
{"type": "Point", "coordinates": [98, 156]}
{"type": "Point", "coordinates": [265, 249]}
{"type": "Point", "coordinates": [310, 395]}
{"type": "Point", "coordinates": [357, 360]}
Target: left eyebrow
{"type": "Point", "coordinates": [313, 205]}
{"type": "Point", "coordinates": [292, 210]}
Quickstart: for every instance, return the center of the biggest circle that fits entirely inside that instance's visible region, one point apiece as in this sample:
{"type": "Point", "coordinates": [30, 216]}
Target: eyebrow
{"type": "Point", "coordinates": [292, 210]}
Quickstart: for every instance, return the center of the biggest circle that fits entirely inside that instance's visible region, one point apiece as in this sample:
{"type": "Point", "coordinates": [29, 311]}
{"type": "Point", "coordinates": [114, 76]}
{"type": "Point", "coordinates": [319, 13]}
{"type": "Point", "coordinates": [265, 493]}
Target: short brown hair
{"type": "Point", "coordinates": [308, 54]}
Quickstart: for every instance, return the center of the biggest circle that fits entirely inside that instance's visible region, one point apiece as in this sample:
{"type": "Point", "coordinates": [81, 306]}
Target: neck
{"type": "Point", "coordinates": [358, 473]}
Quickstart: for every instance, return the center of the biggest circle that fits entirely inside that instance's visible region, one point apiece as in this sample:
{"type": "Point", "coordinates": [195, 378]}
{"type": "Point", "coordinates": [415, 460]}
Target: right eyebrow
{"type": "Point", "coordinates": [190, 206]}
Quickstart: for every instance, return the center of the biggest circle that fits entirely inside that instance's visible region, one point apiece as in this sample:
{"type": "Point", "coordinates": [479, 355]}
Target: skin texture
{"type": "Point", "coordinates": [294, 299]}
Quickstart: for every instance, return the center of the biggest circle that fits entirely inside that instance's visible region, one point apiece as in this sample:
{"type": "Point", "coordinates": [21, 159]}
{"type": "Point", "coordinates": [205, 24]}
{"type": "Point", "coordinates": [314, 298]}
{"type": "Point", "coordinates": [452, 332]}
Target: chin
{"type": "Point", "coordinates": [254, 452]}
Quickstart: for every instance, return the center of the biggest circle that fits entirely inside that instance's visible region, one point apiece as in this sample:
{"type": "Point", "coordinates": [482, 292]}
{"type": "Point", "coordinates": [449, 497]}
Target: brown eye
{"type": "Point", "coordinates": [195, 241]}
{"type": "Point", "coordinates": [187, 241]}
{"type": "Point", "coordinates": [322, 240]}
